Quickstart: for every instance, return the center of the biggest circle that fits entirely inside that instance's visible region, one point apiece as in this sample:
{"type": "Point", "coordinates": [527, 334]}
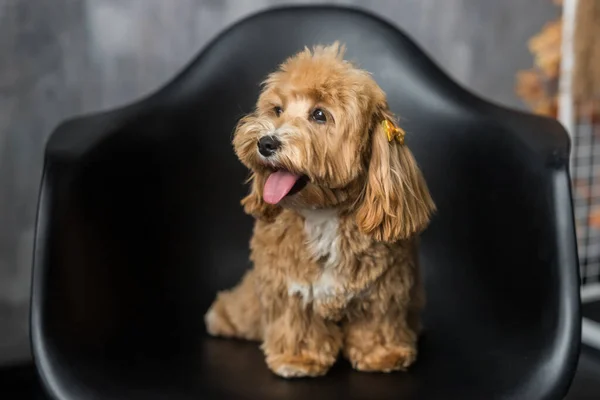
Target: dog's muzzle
{"type": "Point", "coordinates": [268, 145]}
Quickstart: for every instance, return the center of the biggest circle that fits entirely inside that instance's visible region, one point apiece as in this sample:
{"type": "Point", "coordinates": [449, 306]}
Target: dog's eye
{"type": "Point", "coordinates": [277, 110]}
{"type": "Point", "coordinates": [319, 116]}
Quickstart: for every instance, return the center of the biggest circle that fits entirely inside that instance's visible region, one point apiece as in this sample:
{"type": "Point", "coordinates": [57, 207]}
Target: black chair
{"type": "Point", "coordinates": [140, 224]}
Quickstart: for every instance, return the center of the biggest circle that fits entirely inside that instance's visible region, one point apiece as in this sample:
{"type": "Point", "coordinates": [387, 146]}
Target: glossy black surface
{"type": "Point", "coordinates": [591, 310]}
{"type": "Point", "coordinates": [139, 225]}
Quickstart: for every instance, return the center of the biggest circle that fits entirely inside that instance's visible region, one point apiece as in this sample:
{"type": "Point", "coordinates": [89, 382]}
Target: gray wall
{"type": "Point", "coordinates": [64, 57]}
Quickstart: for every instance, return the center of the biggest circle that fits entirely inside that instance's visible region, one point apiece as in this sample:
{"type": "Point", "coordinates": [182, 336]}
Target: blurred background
{"type": "Point", "coordinates": [60, 58]}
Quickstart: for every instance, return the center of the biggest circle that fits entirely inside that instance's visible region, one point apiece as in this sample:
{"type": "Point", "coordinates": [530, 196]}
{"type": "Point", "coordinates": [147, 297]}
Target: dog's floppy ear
{"type": "Point", "coordinates": [396, 202]}
{"type": "Point", "coordinates": [255, 205]}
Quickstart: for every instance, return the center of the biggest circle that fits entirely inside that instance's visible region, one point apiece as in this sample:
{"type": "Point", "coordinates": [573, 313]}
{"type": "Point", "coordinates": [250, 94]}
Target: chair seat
{"type": "Point", "coordinates": [139, 225]}
{"type": "Point", "coordinates": [232, 369]}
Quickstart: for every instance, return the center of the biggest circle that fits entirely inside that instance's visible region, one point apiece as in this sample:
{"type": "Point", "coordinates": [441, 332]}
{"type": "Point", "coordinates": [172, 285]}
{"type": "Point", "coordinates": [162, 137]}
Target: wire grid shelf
{"type": "Point", "coordinates": [585, 174]}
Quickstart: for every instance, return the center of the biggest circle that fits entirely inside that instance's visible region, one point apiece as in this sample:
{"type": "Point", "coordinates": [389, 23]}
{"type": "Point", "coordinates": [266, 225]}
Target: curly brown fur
{"type": "Point", "coordinates": [335, 264]}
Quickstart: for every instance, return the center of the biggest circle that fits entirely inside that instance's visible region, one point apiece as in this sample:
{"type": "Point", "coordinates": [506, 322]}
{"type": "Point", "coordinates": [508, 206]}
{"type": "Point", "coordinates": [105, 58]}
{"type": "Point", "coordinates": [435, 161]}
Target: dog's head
{"type": "Point", "coordinates": [320, 138]}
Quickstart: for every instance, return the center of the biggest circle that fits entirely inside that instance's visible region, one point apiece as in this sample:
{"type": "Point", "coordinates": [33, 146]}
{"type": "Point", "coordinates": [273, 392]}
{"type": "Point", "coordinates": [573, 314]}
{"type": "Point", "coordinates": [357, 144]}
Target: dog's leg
{"type": "Point", "coordinates": [383, 337]}
{"type": "Point", "coordinates": [236, 312]}
{"type": "Point", "coordinates": [299, 343]}
{"type": "Point", "coordinates": [380, 341]}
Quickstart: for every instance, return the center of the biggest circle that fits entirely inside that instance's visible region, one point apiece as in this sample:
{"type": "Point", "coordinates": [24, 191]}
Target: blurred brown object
{"type": "Point", "coordinates": [545, 46]}
{"type": "Point", "coordinates": [586, 74]}
{"type": "Point", "coordinates": [538, 86]}
{"type": "Point", "coordinates": [531, 88]}
{"type": "Point", "coordinates": [594, 219]}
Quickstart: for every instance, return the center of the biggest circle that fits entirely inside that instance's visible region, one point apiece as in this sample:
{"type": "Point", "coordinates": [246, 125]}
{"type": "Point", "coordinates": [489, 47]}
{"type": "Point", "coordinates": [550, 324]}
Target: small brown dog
{"type": "Point", "coordinates": [339, 202]}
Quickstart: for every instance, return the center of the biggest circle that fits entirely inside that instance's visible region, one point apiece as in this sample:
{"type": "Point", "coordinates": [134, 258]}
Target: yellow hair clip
{"type": "Point", "coordinates": [393, 132]}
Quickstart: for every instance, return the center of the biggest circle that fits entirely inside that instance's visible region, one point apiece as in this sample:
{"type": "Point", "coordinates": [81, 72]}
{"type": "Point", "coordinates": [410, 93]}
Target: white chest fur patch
{"type": "Point", "coordinates": [328, 285]}
{"type": "Point", "coordinates": [322, 237]}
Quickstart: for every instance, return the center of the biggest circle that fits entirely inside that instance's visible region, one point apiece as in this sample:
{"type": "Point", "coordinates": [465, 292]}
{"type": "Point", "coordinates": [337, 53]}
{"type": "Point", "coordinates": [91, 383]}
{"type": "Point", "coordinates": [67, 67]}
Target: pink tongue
{"type": "Point", "coordinates": [278, 185]}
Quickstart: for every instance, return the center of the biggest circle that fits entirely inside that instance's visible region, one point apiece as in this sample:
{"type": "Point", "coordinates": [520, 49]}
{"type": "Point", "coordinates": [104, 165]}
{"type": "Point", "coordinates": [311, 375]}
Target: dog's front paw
{"type": "Point", "coordinates": [300, 365]}
{"type": "Point", "coordinates": [382, 358]}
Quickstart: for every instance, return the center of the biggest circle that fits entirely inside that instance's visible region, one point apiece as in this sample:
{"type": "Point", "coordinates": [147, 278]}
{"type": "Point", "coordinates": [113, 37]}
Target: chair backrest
{"type": "Point", "coordinates": [140, 222]}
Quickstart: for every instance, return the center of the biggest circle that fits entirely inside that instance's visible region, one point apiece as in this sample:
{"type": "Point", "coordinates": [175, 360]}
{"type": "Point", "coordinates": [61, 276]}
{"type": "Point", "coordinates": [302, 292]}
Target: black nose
{"type": "Point", "coordinates": [268, 145]}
